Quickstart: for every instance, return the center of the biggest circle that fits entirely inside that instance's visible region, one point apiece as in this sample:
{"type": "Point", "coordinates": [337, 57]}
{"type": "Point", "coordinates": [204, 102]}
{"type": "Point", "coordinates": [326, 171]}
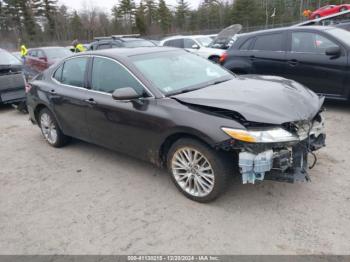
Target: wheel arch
{"type": "Point", "coordinates": [41, 106]}
{"type": "Point", "coordinates": [173, 138]}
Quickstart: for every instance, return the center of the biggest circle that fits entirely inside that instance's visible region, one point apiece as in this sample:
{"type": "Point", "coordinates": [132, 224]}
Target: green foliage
{"type": "Point", "coordinates": [164, 17]}
{"type": "Point", "coordinates": [141, 19]}
{"type": "Point", "coordinates": [181, 14]}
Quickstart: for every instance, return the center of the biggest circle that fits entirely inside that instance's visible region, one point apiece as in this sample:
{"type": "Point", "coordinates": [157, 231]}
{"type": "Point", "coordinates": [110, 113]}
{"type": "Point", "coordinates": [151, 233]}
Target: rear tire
{"type": "Point", "coordinates": [199, 172]}
{"type": "Point", "coordinates": [50, 129]}
{"type": "Point", "coordinates": [343, 9]}
{"type": "Point", "coordinates": [317, 16]}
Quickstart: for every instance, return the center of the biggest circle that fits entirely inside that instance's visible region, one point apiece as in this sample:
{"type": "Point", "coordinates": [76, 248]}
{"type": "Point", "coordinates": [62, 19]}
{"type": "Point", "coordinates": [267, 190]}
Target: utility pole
{"type": "Point", "coordinates": [301, 9]}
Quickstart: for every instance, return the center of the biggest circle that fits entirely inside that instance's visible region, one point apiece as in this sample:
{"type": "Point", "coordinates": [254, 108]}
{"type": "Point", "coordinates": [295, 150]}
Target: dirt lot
{"type": "Point", "coordinates": [83, 199]}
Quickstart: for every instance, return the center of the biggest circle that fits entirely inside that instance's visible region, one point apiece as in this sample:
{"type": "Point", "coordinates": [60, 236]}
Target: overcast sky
{"type": "Point", "coordinates": [107, 4]}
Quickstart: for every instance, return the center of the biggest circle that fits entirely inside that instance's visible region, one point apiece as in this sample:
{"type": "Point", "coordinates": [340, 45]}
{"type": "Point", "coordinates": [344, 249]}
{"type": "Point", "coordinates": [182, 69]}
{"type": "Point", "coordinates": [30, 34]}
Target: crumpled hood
{"type": "Point", "coordinates": [261, 99]}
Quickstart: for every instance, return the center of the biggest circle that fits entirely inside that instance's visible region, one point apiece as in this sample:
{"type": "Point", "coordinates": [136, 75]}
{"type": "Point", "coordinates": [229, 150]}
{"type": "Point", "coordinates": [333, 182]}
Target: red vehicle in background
{"type": "Point", "coordinates": [39, 59]}
{"type": "Point", "coordinates": [329, 10]}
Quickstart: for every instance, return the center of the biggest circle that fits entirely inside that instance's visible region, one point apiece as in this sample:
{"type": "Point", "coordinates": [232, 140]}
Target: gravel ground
{"type": "Point", "coordinates": [83, 199]}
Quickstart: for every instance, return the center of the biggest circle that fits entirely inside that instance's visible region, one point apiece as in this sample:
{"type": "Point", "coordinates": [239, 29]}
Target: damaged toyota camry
{"type": "Point", "coordinates": [182, 112]}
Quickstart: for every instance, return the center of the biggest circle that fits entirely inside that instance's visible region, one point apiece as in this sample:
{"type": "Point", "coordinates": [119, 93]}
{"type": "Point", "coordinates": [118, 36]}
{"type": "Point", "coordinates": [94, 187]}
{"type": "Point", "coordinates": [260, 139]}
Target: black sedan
{"type": "Point", "coordinates": [180, 111]}
{"type": "Point", "coordinates": [12, 82]}
{"type": "Point", "coordinates": [315, 56]}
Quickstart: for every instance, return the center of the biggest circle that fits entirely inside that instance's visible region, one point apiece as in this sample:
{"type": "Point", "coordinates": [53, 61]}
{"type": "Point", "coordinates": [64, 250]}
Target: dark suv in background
{"type": "Point", "coordinates": [317, 57]}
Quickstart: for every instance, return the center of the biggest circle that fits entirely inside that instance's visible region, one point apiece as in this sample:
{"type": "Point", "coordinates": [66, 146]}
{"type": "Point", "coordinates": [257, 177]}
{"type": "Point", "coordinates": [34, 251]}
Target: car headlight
{"type": "Point", "coordinates": [274, 135]}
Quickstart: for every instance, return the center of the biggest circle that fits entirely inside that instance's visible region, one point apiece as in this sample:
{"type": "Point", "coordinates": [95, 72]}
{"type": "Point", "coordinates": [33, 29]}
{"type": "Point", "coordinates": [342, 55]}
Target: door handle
{"type": "Point", "coordinates": [91, 101]}
{"type": "Point", "coordinates": [293, 62]}
{"type": "Point", "coordinates": [252, 57]}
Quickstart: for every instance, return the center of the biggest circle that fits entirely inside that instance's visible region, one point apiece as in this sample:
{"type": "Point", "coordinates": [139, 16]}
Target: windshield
{"type": "Point", "coordinates": [54, 53]}
{"type": "Point", "coordinates": [204, 41]}
{"type": "Point", "coordinates": [8, 59]}
{"type": "Point", "coordinates": [176, 72]}
{"type": "Point", "coordinates": [341, 34]}
{"type": "Point", "coordinates": [138, 43]}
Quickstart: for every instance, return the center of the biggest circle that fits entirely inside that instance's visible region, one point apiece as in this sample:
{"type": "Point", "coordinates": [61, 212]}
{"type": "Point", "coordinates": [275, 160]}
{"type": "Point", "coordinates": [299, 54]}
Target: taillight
{"type": "Point", "coordinates": [27, 86]}
{"type": "Point", "coordinates": [223, 58]}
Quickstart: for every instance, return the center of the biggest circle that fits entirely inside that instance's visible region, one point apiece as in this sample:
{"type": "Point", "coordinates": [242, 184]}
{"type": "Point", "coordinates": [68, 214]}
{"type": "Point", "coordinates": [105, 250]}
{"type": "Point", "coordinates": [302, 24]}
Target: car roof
{"type": "Point", "coordinates": [183, 36]}
{"type": "Point", "coordinates": [128, 52]}
{"type": "Point", "coordinates": [281, 29]}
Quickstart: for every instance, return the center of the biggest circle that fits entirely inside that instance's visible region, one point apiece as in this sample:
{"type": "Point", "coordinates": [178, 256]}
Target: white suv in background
{"type": "Point", "coordinates": [198, 44]}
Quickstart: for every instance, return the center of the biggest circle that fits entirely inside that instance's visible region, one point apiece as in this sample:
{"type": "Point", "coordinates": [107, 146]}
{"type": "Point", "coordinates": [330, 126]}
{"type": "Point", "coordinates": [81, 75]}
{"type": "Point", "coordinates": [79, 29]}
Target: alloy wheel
{"type": "Point", "coordinates": [193, 172]}
{"type": "Point", "coordinates": [48, 128]}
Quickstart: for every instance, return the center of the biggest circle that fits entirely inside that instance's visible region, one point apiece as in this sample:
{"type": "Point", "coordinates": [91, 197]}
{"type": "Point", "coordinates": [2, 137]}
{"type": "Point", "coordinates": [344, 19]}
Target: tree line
{"type": "Point", "coordinates": [38, 21]}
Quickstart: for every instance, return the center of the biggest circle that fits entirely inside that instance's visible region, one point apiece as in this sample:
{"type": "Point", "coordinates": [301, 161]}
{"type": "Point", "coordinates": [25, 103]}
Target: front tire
{"type": "Point", "coordinates": [50, 129]}
{"type": "Point", "coordinates": [199, 172]}
{"type": "Point", "coordinates": [343, 9]}
{"type": "Point", "coordinates": [317, 16]}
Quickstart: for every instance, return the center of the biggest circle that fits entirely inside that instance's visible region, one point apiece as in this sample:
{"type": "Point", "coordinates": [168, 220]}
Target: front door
{"type": "Point", "coordinates": [308, 64]}
{"type": "Point", "coordinates": [119, 125]}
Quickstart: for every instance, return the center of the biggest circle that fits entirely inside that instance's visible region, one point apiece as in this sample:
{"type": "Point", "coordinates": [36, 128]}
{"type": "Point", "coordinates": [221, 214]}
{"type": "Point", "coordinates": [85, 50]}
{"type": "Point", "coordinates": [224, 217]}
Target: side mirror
{"type": "Point", "coordinates": [195, 46]}
{"type": "Point", "coordinates": [125, 93]}
{"type": "Point", "coordinates": [333, 51]}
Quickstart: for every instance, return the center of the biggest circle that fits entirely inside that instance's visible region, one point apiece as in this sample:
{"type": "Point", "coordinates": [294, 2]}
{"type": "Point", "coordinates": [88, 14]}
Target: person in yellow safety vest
{"type": "Point", "coordinates": [307, 13]}
{"type": "Point", "coordinates": [24, 52]}
{"type": "Point", "coordinates": [78, 47]}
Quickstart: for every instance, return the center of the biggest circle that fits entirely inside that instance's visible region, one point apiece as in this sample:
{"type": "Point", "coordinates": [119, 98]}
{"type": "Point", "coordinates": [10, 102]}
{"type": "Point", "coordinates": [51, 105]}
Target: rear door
{"type": "Point", "coordinates": [308, 63]}
{"type": "Point", "coordinates": [69, 97]}
{"type": "Point", "coordinates": [268, 54]}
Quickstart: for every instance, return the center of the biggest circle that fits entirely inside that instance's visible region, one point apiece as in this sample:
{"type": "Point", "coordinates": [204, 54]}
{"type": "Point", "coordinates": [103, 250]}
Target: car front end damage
{"type": "Point", "coordinates": [283, 153]}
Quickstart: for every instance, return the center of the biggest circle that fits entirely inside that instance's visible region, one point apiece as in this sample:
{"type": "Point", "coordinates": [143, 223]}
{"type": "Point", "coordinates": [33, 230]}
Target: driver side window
{"type": "Point", "coordinates": [108, 75]}
{"type": "Point", "coordinates": [307, 42]}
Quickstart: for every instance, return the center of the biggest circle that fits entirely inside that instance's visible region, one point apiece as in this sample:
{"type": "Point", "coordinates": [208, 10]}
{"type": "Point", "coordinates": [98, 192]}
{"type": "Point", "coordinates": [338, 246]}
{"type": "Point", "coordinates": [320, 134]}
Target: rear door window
{"type": "Point", "coordinates": [189, 43]}
{"type": "Point", "coordinates": [271, 42]}
{"type": "Point", "coordinates": [33, 53]}
{"type": "Point", "coordinates": [175, 43]}
{"type": "Point", "coordinates": [40, 54]}
{"type": "Point", "coordinates": [104, 46]}
{"type": "Point", "coordinates": [74, 71]}
{"type": "Point", "coordinates": [58, 74]}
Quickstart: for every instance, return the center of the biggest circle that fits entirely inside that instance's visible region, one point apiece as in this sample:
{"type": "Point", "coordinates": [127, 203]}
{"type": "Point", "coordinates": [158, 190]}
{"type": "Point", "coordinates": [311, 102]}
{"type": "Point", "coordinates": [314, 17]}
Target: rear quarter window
{"type": "Point", "coordinates": [58, 73]}
{"type": "Point", "coordinates": [246, 45]}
